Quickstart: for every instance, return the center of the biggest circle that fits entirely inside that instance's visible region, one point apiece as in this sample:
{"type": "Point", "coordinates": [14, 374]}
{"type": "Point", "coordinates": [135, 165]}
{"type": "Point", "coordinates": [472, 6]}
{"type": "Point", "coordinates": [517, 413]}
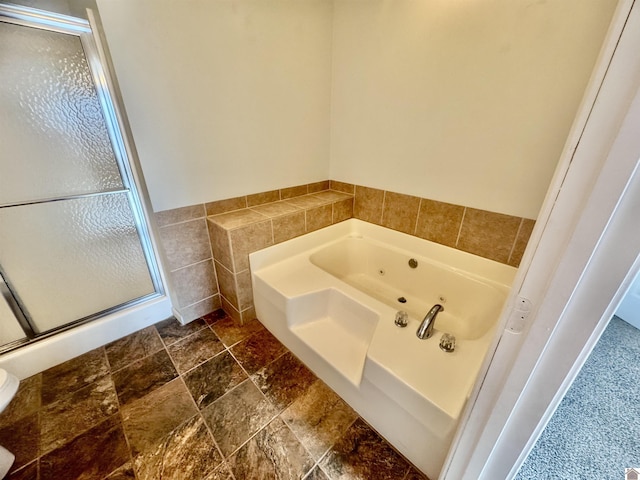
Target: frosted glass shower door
{"type": "Point", "coordinates": [72, 241]}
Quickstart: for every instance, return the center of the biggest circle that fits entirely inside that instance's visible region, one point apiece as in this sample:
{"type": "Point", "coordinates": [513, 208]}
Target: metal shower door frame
{"type": "Point", "coordinates": [121, 145]}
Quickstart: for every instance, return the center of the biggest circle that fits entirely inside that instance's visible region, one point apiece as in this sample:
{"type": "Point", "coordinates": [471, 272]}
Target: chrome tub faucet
{"type": "Point", "coordinates": [425, 330]}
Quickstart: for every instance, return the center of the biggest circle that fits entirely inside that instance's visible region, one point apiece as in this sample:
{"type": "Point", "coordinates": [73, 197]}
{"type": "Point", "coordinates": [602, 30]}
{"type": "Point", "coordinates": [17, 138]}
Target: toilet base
{"type": "Point", "coordinates": [6, 460]}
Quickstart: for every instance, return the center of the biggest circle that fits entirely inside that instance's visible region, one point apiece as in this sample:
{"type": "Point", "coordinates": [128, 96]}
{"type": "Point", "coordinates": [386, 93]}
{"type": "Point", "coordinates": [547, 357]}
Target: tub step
{"type": "Point", "coordinates": [336, 327]}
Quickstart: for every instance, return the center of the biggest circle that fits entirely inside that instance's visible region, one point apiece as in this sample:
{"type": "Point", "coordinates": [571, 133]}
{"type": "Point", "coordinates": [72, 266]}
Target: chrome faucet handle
{"type": "Point", "coordinates": [402, 319]}
{"type": "Point", "coordinates": [448, 342]}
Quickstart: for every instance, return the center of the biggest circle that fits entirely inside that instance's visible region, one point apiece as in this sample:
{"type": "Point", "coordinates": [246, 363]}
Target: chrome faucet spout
{"type": "Point", "coordinates": [425, 330]}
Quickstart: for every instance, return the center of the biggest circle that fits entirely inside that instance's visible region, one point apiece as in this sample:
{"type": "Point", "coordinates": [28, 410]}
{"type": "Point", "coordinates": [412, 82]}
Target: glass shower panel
{"type": "Point", "coordinates": [52, 129]}
{"type": "Point", "coordinates": [70, 259]}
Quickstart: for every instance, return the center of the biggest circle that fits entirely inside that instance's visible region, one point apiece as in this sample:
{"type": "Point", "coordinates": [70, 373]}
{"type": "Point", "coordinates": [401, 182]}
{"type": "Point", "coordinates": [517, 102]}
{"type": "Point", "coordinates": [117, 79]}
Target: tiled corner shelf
{"type": "Point", "coordinates": [236, 234]}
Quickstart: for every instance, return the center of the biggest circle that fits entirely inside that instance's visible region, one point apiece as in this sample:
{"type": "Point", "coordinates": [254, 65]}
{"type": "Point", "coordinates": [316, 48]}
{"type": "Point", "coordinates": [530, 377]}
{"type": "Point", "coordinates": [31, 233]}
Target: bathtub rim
{"type": "Point", "coordinates": [478, 267]}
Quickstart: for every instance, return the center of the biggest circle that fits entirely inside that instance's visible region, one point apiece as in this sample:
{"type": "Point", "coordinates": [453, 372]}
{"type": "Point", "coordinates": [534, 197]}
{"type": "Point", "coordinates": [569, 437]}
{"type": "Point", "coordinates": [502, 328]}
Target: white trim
{"type": "Point", "coordinates": [529, 373]}
{"type": "Point", "coordinates": [40, 355]}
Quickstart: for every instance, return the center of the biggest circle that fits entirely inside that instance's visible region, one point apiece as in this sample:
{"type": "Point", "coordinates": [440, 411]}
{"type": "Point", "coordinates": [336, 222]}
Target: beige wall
{"type": "Point", "coordinates": [466, 102]}
{"type": "Point", "coordinates": [225, 97]}
{"type": "Point", "coordinates": [458, 101]}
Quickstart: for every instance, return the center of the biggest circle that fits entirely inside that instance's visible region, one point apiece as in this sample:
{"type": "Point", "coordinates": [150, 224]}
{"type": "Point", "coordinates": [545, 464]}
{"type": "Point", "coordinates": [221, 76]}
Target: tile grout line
{"type": "Point", "coordinates": [193, 264]}
{"type": "Point", "coordinates": [213, 259]}
{"type": "Point", "coordinates": [515, 241]}
{"type": "Point", "coordinates": [181, 222]}
{"type": "Point", "coordinates": [464, 214]}
{"type": "Point", "coordinates": [184, 384]}
{"type": "Point", "coordinates": [415, 228]}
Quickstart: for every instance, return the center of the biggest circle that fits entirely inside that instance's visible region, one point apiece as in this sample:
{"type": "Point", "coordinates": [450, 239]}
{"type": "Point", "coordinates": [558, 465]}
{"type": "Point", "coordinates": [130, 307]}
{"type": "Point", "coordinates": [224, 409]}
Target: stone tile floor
{"type": "Point", "coordinates": [210, 400]}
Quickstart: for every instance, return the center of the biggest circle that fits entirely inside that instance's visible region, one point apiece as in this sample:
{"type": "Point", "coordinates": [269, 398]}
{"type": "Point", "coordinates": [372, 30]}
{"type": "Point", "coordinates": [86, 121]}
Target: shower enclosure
{"type": "Point", "coordinates": [74, 242]}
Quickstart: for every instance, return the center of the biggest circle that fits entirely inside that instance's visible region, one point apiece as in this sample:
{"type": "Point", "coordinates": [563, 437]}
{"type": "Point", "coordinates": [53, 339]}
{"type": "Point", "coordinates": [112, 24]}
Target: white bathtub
{"type": "Point", "coordinates": [331, 297]}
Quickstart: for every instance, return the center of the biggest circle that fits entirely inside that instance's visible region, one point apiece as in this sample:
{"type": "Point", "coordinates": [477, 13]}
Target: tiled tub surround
{"type": "Point", "coordinates": [491, 235]}
{"type": "Point", "coordinates": [207, 401]}
{"type": "Point", "coordinates": [254, 221]}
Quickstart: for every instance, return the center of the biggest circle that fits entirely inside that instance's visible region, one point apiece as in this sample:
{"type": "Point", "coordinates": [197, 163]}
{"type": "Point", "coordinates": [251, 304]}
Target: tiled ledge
{"type": "Point", "coordinates": [237, 233]}
{"type": "Point", "coordinates": [320, 210]}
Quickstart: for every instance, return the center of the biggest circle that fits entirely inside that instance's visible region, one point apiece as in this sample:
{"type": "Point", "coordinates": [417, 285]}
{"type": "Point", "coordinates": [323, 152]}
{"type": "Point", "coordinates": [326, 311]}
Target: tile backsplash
{"type": "Point", "coordinates": [207, 245]}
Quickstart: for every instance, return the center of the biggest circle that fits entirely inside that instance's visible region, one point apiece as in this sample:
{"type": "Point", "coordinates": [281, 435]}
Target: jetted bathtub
{"type": "Point", "coordinates": [332, 296]}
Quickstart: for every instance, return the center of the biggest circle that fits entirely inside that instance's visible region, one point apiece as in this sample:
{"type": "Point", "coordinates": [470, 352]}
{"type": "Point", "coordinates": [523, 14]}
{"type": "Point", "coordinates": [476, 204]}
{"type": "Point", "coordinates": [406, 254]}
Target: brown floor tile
{"type": "Point", "coordinates": [234, 417]}
{"type": "Point", "coordinates": [142, 377]}
{"type": "Point", "coordinates": [125, 472]}
{"type": "Point", "coordinates": [195, 349]}
{"type": "Point", "coordinates": [133, 347]}
{"type": "Point", "coordinates": [25, 402]}
{"type": "Point", "coordinates": [21, 439]}
{"type": "Point", "coordinates": [215, 316]}
{"type": "Point", "coordinates": [138, 419]}
{"type": "Point", "coordinates": [221, 473]}
{"type": "Point", "coordinates": [362, 454]}
{"type": "Point", "coordinates": [213, 379]}
{"type": "Point", "coordinates": [274, 452]}
{"type": "Point", "coordinates": [70, 376]}
{"type": "Point", "coordinates": [171, 330]}
{"type": "Point", "coordinates": [63, 420]}
{"type": "Point", "coordinates": [231, 333]}
{"type": "Point", "coordinates": [316, 474]}
{"type": "Point", "coordinates": [413, 474]}
{"type": "Point", "coordinates": [29, 472]}
{"type": "Point", "coordinates": [153, 416]}
{"type": "Point", "coordinates": [319, 417]}
{"type": "Point", "coordinates": [94, 454]}
{"type": "Point", "coordinates": [284, 380]}
{"type": "Point", "coordinates": [188, 452]}
{"type": "Point", "coordinates": [258, 350]}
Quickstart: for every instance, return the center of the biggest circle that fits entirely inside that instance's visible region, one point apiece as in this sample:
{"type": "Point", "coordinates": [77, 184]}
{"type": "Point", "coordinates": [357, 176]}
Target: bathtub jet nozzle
{"type": "Point", "coordinates": [425, 330]}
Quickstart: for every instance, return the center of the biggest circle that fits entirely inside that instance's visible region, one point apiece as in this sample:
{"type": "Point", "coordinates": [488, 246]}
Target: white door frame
{"type": "Point", "coordinates": [579, 263]}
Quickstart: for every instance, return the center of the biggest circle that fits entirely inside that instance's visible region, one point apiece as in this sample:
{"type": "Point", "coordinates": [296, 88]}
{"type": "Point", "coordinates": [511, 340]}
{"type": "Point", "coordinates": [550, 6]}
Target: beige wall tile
{"type": "Point", "coordinates": [226, 205]}
{"type": "Point", "coordinates": [245, 290]}
{"type": "Point", "coordinates": [318, 217]}
{"type": "Point", "coordinates": [293, 191]}
{"type": "Point", "coordinates": [177, 215]}
{"type": "Point", "coordinates": [263, 197]}
{"type": "Point", "coordinates": [342, 187]}
{"type": "Point", "coordinates": [526, 227]}
{"type": "Point", "coordinates": [368, 204]}
{"type": "Point", "coordinates": [342, 210]}
{"type": "Point", "coordinates": [439, 222]}
{"type": "Point", "coordinates": [275, 209]}
{"type": "Point", "coordinates": [237, 218]}
{"type": "Point", "coordinates": [288, 226]}
{"type": "Point", "coordinates": [231, 311]}
{"type": "Point", "coordinates": [200, 309]}
{"type": "Point", "coordinates": [318, 186]}
{"type": "Point", "coordinates": [220, 244]}
{"type": "Point", "coordinates": [400, 212]}
{"type": "Point", "coordinates": [249, 239]}
{"type": "Point", "coordinates": [248, 315]}
{"type": "Point", "coordinates": [194, 283]}
{"type": "Point", "coordinates": [185, 243]}
{"type": "Point", "coordinates": [488, 234]}
{"type": "Point", "coordinates": [227, 282]}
